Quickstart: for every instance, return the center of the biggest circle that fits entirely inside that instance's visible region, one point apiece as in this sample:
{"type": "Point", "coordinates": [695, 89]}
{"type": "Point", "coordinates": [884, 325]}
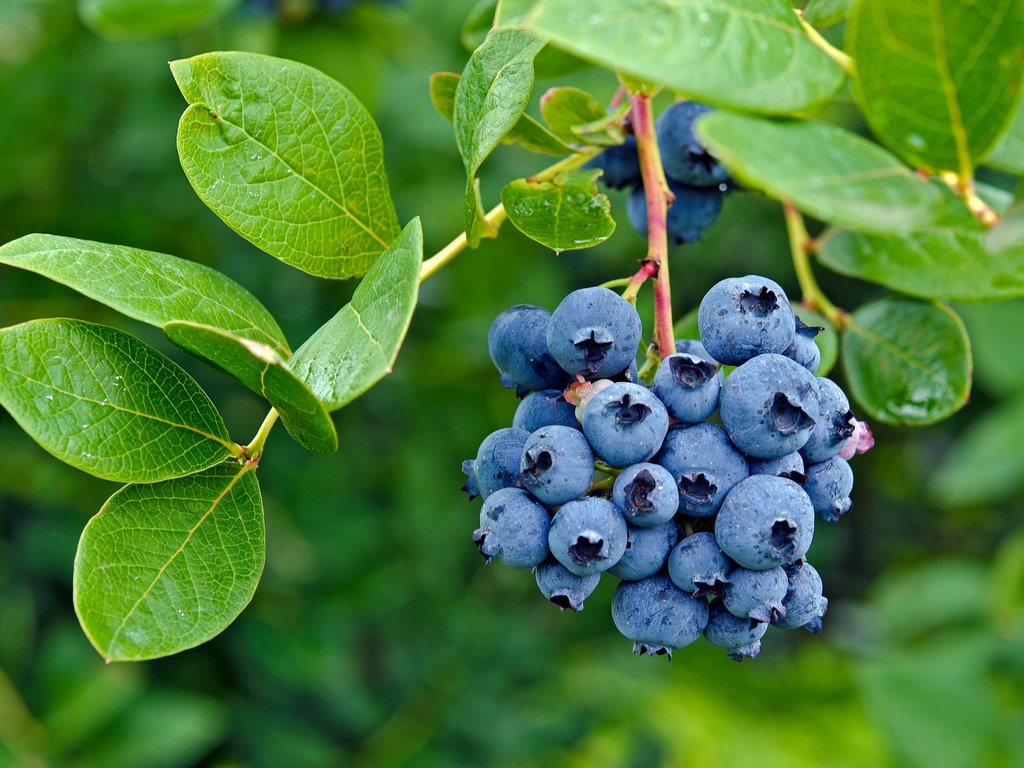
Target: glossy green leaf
{"type": "Point", "coordinates": [1008, 154]}
{"type": "Point", "coordinates": [748, 54]}
{"type": "Point", "coordinates": [567, 213]}
{"type": "Point", "coordinates": [827, 340]}
{"type": "Point", "coordinates": [528, 133]}
{"type": "Point", "coordinates": [1008, 234]}
{"type": "Point", "coordinates": [574, 116]}
{"type": "Point", "coordinates": [824, 170]}
{"type": "Point", "coordinates": [263, 370]}
{"type": "Point", "coordinates": [907, 361]}
{"type": "Point", "coordinates": [824, 13]}
{"type": "Point", "coordinates": [995, 328]}
{"type": "Point", "coordinates": [945, 260]}
{"type": "Point", "coordinates": [104, 402]}
{"type": "Point", "coordinates": [358, 346]}
{"type": "Point", "coordinates": [985, 465]}
{"type": "Point", "coordinates": [288, 158]}
{"type": "Point", "coordinates": [149, 18]}
{"type": "Point", "coordinates": [512, 12]}
{"type": "Point", "coordinates": [165, 567]}
{"type": "Point", "coordinates": [489, 100]}
{"type": "Point", "coordinates": [937, 80]}
{"type": "Point", "coordinates": [152, 287]}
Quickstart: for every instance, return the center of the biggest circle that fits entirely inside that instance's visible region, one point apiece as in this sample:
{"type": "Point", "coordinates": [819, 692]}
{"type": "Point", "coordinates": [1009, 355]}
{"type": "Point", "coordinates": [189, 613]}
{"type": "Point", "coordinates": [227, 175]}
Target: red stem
{"type": "Point", "coordinates": [659, 198]}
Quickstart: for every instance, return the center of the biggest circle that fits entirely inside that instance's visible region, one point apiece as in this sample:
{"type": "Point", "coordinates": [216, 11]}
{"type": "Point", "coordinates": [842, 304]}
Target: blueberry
{"type": "Point", "coordinates": [834, 423]}
{"type": "Point", "coordinates": [594, 332]}
{"type": "Point", "coordinates": [646, 494]}
{"type": "Point", "coordinates": [803, 602]}
{"type": "Point", "coordinates": [741, 317]}
{"type": "Point", "coordinates": [769, 406]}
{"type": "Point", "coordinates": [688, 385]}
{"type": "Point", "coordinates": [698, 565]}
{"type": "Point", "coordinates": [684, 158]}
{"type": "Point", "coordinates": [657, 616]}
{"type": "Point", "coordinates": [765, 522]}
{"type": "Point", "coordinates": [562, 587]}
{"type": "Point", "coordinates": [513, 529]}
{"type": "Point", "coordinates": [625, 424]}
{"type": "Point", "coordinates": [704, 464]}
{"type": "Point", "coordinates": [803, 350]}
{"type": "Point", "coordinates": [693, 210]}
{"type": "Point", "coordinates": [756, 595]}
{"type": "Point", "coordinates": [587, 535]}
{"type": "Point", "coordinates": [620, 163]}
{"type": "Point", "coordinates": [741, 638]}
{"type": "Point", "coordinates": [790, 466]}
{"type": "Point", "coordinates": [557, 465]}
{"type": "Point", "coordinates": [828, 485]}
{"type": "Point", "coordinates": [518, 347]}
{"type": "Point", "coordinates": [496, 464]}
{"type": "Point", "coordinates": [545, 408]}
{"type": "Point", "coordinates": [646, 551]}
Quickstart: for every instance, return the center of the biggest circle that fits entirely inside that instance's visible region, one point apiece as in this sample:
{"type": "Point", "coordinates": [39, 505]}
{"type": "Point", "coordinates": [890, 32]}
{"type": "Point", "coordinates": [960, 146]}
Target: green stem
{"type": "Point", "coordinates": [843, 59]}
{"type": "Point", "coordinates": [497, 215]}
{"type": "Point", "coordinates": [800, 246]}
{"type": "Point", "coordinates": [621, 282]}
{"type": "Point", "coordinates": [254, 450]}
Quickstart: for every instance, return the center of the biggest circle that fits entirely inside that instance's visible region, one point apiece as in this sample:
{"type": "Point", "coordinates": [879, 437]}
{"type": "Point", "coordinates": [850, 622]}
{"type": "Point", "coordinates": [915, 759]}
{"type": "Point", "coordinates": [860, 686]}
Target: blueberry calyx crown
{"type": "Point", "coordinates": [588, 547]}
{"type": "Point", "coordinates": [807, 331]}
{"type": "Point", "coordinates": [627, 411]}
{"type": "Point", "coordinates": [638, 492]}
{"type": "Point", "coordinates": [691, 371]}
{"type": "Point", "coordinates": [537, 463]}
{"type": "Point", "coordinates": [697, 486]}
{"type": "Point", "coordinates": [788, 417]}
{"type": "Point", "coordinates": [843, 427]}
{"type": "Point", "coordinates": [711, 587]}
{"type": "Point", "coordinates": [479, 537]}
{"type": "Point", "coordinates": [784, 539]}
{"type": "Point", "coordinates": [763, 302]}
{"type": "Point", "coordinates": [594, 352]}
{"type": "Point", "coordinates": [797, 477]}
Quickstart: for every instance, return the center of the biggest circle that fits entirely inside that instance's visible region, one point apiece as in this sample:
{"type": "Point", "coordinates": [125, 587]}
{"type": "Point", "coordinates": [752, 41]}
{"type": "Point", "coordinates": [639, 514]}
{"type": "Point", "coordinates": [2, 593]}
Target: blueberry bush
{"type": "Point", "coordinates": [886, 139]}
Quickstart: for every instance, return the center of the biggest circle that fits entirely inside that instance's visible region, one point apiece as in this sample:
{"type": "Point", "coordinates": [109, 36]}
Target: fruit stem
{"type": "Point", "coordinates": [843, 59]}
{"type": "Point", "coordinates": [659, 198]}
{"type": "Point", "coordinates": [254, 449]}
{"type": "Point", "coordinates": [497, 215]}
{"type": "Point", "coordinates": [647, 269]}
{"type": "Point", "coordinates": [800, 245]}
{"type": "Point", "coordinates": [968, 192]}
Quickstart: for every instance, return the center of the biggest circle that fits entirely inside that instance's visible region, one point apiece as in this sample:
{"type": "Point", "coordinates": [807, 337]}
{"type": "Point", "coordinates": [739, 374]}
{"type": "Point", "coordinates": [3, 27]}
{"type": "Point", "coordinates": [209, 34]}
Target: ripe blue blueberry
{"type": "Point", "coordinates": [828, 486]}
{"type": "Point", "coordinates": [587, 535]}
{"type": "Point", "coordinates": [688, 385]}
{"type": "Point", "coordinates": [803, 602]}
{"type": "Point", "coordinates": [620, 163]}
{"type": "Point", "coordinates": [790, 466]}
{"type": "Point", "coordinates": [684, 158]}
{"type": "Point", "coordinates": [657, 616]}
{"type": "Point", "coordinates": [693, 210]}
{"type": "Point", "coordinates": [594, 332]}
{"type": "Point", "coordinates": [803, 350]}
{"type": "Point", "coordinates": [562, 587]}
{"type": "Point", "coordinates": [768, 406]}
{"type": "Point", "coordinates": [496, 464]}
{"type": "Point", "coordinates": [625, 424]}
{"type": "Point", "coordinates": [756, 595]}
{"type": "Point", "coordinates": [765, 522]}
{"type": "Point", "coordinates": [545, 408]}
{"type": "Point", "coordinates": [646, 494]}
{"type": "Point", "coordinates": [557, 465]}
{"type": "Point", "coordinates": [698, 565]}
{"type": "Point", "coordinates": [741, 317]}
{"type": "Point", "coordinates": [646, 551]}
{"type": "Point", "coordinates": [741, 638]}
{"type": "Point", "coordinates": [513, 529]}
{"type": "Point", "coordinates": [704, 464]}
{"type": "Point", "coordinates": [834, 423]}
{"type": "Point", "coordinates": [517, 342]}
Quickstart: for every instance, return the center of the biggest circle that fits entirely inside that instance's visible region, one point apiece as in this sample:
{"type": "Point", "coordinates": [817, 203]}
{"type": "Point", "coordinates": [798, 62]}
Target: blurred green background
{"type": "Point", "coordinates": [377, 638]}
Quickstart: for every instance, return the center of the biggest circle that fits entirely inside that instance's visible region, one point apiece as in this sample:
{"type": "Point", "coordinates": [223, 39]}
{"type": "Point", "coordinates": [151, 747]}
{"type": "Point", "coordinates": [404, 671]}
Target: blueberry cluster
{"type": "Point", "coordinates": [697, 180]}
{"type": "Point", "coordinates": [705, 522]}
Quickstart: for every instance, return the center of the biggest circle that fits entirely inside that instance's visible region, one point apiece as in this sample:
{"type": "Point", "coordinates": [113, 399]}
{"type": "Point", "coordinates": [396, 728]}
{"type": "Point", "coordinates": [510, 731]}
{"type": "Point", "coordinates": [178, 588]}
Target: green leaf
{"type": "Point", "coordinates": [489, 100]}
{"type": "Point", "coordinates": [567, 213]}
{"type": "Point", "coordinates": [165, 567]}
{"type": "Point", "coordinates": [994, 329]}
{"type": "Point", "coordinates": [477, 24]}
{"type": "Point", "coordinates": [824, 13]}
{"type": "Point", "coordinates": [149, 18]}
{"type": "Point", "coordinates": [747, 54]}
{"type": "Point", "coordinates": [945, 260]}
{"type": "Point", "coordinates": [574, 116]}
{"type": "Point", "coordinates": [263, 370]}
{"type": "Point", "coordinates": [104, 402]}
{"type": "Point", "coordinates": [907, 362]}
{"type": "Point", "coordinates": [937, 80]}
{"type": "Point", "coordinates": [1008, 154]}
{"type": "Point", "coordinates": [985, 465]}
{"type": "Point", "coordinates": [827, 340]}
{"type": "Point", "coordinates": [1008, 234]}
{"type": "Point", "coordinates": [152, 287]}
{"type": "Point", "coordinates": [512, 12]}
{"type": "Point", "coordinates": [824, 170]}
{"type": "Point", "coordinates": [528, 133]}
{"type": "Point", "coordinates": [288, 158]}
{"type": "Point", "coordinates": [358, 346]}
